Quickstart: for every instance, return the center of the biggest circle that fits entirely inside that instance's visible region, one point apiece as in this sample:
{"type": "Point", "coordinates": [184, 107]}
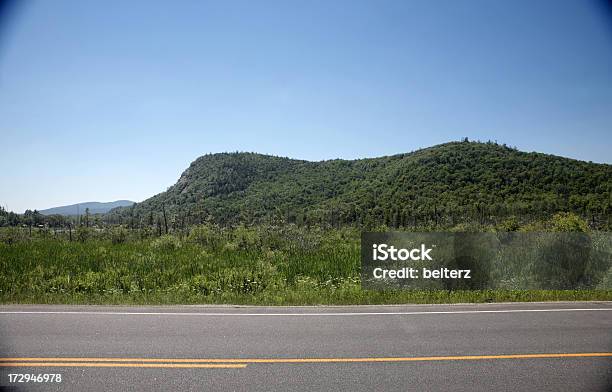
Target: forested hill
{"type": "Point", "coordinates": [444, 185]}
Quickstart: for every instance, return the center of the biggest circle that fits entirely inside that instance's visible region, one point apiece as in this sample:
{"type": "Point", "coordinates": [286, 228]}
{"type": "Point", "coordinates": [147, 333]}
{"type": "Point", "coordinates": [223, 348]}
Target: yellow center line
{"type": "Point", "coordinates": [305, 360]}
{"type": "Point", "coordinates": [131, 365]}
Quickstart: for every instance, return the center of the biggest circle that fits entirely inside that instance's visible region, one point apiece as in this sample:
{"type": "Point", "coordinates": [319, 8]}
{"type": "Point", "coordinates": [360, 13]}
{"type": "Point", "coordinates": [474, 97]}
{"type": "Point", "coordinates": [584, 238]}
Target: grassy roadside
{"type": "Point", "coordinates": [347, 296]}
{"type": "Point", "coordinates": [244, 266]}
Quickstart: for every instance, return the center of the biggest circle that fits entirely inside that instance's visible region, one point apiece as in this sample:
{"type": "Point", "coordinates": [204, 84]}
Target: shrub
{"type": "Point", "coordinates": [568, 222]}
{"type": "Point", "coordinates": [510, 224]}
{"type": "Point", "coordinates": [204, 235]}
{"type": "Point", "coordinates": [10, 235]}
{"type": "Point", "coordinates": [166, 243]}
{"type": "Point", "coordinates": [562, 222]}
{"type": "Point", "coordinates": [246, 237]}
{"type": "Point", "coordinates": [83, 233]}
{"type": "Point", "coordinates": [119, 235]}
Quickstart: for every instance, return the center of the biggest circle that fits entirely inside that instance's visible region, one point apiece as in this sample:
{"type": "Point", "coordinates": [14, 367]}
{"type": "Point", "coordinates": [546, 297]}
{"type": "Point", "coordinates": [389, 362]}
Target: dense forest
{"type": "Point", "coordinates": [458, 183]}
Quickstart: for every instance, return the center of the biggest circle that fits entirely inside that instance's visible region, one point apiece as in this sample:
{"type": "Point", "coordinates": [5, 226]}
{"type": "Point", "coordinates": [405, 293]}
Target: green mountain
{"type": "Point", "coordinates": [79, 209]}
{"type": "Point", "coordinates": [444, 185]}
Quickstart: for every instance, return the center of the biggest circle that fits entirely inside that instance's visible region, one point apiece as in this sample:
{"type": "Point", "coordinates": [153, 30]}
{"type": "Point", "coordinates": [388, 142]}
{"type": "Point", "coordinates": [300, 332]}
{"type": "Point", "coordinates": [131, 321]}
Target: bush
{"type": "Point", "coordinates": [563, 222]}
{"type": "Point", "coordinates": [568, 222]}
{"type": "Point", "coordinates": [510, 224]}
{"type": "Point", "coordinates": [119, 235]}
{"type": "Point", "coordinates": [246, 237]}
{"type": "Point", "coordinates": [204, 235]}
{"type": "Point", "coordinates": [166, 243]}
{"type": "Point", "coordinates": [10, 235]}
{"type": "Point", "coordinates": [83, 233]}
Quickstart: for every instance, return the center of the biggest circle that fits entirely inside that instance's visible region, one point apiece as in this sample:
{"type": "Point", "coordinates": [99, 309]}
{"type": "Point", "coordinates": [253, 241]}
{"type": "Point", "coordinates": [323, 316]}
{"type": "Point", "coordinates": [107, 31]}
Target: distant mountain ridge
{"type": "Point", "coordinates": [95, 207]}
{"type": "Point", "coordinates": [443, 185]}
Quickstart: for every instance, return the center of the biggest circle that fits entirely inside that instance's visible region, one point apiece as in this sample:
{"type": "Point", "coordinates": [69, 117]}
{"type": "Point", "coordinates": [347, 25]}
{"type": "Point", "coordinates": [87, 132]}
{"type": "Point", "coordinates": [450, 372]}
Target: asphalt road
{"type": "Point", "coordinates": [501, 347]}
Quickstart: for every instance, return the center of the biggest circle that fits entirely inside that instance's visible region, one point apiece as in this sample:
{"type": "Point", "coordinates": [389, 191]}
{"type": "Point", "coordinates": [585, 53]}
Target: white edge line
{"type": "Point", "coordinates": [219, 314]}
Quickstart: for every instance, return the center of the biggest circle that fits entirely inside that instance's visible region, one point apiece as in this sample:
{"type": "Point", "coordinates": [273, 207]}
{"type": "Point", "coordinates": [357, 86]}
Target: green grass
{"type": "Point", "coordinates": [258, 266]}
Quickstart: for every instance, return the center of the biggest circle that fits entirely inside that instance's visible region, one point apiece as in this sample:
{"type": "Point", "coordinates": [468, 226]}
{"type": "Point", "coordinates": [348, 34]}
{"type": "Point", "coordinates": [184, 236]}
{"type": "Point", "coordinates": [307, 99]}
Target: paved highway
{"type": "Point", "coordinates": [501, 347]}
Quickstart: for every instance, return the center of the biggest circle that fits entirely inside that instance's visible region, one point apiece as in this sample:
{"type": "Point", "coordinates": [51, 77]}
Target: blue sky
{"type": "Point", "coordinates": [114, 101]}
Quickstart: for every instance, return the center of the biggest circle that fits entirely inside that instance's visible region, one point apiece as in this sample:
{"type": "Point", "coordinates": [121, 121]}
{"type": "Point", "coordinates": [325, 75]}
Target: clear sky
{"type": "Point", "coordinates": [113, 101]}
